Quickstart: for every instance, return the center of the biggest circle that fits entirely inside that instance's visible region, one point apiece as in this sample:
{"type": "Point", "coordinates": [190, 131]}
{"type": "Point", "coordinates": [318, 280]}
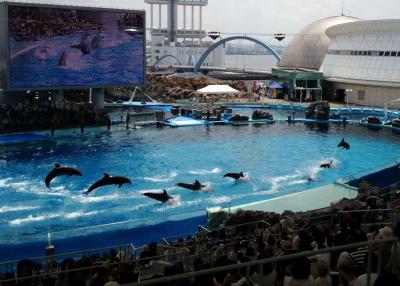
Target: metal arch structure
{"type": "Point", "coordinates": [167, 56]}
{"type": "Point", "coordinates": [233, 38]}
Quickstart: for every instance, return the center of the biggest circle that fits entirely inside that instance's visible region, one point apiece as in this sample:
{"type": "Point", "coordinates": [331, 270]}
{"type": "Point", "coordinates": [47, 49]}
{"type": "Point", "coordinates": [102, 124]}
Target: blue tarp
{"type": "Point", "coordinates": [274, 85]}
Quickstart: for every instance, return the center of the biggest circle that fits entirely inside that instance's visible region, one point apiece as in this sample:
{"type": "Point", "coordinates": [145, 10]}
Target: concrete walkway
{"type": "Point", "coordinates": [301, 201]}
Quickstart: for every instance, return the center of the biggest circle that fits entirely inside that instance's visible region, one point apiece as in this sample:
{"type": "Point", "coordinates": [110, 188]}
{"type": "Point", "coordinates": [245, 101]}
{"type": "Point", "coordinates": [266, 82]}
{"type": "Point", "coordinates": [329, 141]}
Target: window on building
{"type": "Point", "coordinates": [381, 54]}
{"type": "Point", "coordinates": [393, 54]}
{"type": "Point", "coordinates": [361, 94]}
{"type": "Point", "coordinates": [365, 53]}
{"type": "Point", "coordinates": [387, 54]}
{"type": "Point", "coordinates": [157, 51]}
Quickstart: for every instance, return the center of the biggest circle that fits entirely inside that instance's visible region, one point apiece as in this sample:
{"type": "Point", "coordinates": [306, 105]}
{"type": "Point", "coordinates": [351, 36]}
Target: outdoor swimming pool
{"type": "Point", "coordinates": [277, 158]}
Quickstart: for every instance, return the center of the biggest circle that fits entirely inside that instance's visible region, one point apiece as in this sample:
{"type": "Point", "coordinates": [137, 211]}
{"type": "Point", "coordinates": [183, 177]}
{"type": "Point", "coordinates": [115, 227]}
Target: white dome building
{"type": "Point", "coordinates": [363, 62]}
{"type": "Point", "coordinates": [308, 48]}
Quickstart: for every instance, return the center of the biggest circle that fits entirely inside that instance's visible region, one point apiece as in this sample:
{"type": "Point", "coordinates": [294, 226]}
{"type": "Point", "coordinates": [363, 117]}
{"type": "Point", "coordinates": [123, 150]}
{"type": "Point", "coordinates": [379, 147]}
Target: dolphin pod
{"type": "Point", "coordinates": [59, 170]}
{"type": "Point", "coordinates": [108, 180]}
{"type": "Point", "coordinates": [196, 186]}
{"type": "Point", "coordinates": [344, 144]}
{"type": "Point", "coordinates": [162, 197]}
{"type": "Point", "coordinates": [235, 176]}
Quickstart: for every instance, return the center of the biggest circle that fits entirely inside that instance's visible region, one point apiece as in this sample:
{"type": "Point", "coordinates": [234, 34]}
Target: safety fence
{"type": "Point", "coordinates": [143, 266]}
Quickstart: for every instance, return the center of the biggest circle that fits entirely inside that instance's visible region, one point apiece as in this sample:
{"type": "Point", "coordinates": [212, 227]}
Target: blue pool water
{"type": "Point", "coordinates": [277, 158]}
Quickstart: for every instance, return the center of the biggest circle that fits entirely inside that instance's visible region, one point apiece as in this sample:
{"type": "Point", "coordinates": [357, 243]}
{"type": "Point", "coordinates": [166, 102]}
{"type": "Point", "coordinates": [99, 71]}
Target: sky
{"type": "Point", "coordinates": [264, 16]}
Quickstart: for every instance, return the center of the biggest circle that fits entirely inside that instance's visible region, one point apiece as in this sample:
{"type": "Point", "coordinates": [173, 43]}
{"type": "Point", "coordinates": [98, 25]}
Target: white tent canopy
{"type": "Point", "coordinates": [217, 89]}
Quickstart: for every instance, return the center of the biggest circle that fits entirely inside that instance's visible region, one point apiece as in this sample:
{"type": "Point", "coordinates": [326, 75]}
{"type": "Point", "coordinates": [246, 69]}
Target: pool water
{"type": "Point", "coordinates": [277, 159]}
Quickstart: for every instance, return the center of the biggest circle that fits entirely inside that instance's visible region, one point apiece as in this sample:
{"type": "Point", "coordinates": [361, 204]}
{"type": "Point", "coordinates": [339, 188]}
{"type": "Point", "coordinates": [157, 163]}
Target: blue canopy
{"type": "Point", "coordinates": [274, 85]}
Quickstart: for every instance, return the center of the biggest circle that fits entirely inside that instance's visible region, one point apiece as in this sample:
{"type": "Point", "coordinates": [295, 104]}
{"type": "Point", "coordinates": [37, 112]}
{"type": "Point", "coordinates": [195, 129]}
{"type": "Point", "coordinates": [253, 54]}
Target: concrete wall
{"type": "Point", "coordinates": [374, 95]}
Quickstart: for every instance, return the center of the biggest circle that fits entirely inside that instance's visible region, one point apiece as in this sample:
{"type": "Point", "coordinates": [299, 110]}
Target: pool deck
{"type": "Point", "coordinates": [312, 199]}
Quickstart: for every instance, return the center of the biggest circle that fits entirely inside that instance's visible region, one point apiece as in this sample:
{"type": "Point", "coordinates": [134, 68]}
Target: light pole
{"type": "Point", "coordinates": [347, 95]}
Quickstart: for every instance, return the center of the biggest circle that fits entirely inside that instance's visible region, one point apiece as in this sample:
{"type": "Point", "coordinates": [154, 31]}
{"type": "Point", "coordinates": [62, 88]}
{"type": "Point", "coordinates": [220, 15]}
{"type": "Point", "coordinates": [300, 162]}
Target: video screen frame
{"type": "Point", "coordinates": [5, 60]}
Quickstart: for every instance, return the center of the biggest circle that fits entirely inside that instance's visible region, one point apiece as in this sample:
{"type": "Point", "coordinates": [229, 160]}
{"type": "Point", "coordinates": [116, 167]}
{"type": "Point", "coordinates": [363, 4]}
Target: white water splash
{"type": "Point", "coordinates": [31, 218]}
{"type": "Point", "coordinates": [4, 182]}
{"type": "Point", "coordinates": [5, 209]}
{"type": "Point", "coordinates": [79, 214]}
{"type": "Point", "coordinates": [162, 178]}
{"type": "Point", "coordinates": [205, 171]}
{"type": "Point", "coordinates": [220, 200]}
{"type": "Point", "coordinates": [91, 199]}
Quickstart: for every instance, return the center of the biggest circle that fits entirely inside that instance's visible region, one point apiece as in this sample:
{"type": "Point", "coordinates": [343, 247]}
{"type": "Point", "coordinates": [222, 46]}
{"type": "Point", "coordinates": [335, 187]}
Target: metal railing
{"type": "Point", "coordinates": [143, 264]}
{"type": "Point", "coordinates": [128, 250]}
{"type": "Point", "coordinates": [373, 216]}
{"type": "Point", "coordinates": [371, 245]}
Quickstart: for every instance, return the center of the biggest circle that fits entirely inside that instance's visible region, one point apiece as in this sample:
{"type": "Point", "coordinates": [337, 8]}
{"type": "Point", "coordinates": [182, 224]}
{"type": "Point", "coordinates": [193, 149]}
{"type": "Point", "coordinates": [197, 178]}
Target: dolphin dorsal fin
{"type": "Point", "coordinates": [57, 165]}
{"type": "Point", "coordinates": [197, 182]}
{"type": "Point", "coordinates": [106, 175]}
{"type": "Point", "coordinates": [165, 192]}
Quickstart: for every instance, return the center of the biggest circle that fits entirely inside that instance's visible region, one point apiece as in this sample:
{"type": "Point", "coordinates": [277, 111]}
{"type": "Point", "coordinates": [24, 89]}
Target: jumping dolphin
{"type": "Point", "coordinates": [162, 197]}
{"type": "Point", "coordinates": [326, 165]}
{"type": "Point", "coordinates": [344, 144]}
{"type": "Point", "coordinates": [108, 180]}
{"type": "Point", "coordinates": [196, 186]}
{"type": "Point", "coordinates": [59, 170]}
{"type": "Point", "coordinates": [235, 176]}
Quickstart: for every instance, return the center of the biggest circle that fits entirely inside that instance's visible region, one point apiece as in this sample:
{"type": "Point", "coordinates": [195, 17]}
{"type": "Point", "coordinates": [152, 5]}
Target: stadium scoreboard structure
{"type": "Point", "coordinates": [57, 47]}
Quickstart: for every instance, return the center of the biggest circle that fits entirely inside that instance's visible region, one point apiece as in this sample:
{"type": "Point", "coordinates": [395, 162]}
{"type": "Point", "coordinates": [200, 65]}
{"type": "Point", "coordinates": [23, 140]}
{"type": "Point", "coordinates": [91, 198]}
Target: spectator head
{"type": "Point", "coordinates": [385, 233]}
{"type": "Point", "coordinates": [301, 268]}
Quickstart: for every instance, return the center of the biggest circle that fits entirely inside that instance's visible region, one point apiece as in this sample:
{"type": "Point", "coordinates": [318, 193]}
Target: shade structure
{"type": "Point", "coordinates": [274, 85]}
{"type": "Point", "coordinates": [217, 89]}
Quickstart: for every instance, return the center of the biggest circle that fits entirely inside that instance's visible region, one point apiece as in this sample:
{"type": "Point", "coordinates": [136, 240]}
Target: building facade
{"type": "Point", "coordinates": [363, 62]}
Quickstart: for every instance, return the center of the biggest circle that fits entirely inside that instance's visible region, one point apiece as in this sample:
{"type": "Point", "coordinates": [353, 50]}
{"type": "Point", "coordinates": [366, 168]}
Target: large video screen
{"type": "Point", "coordinates": [57, 47]}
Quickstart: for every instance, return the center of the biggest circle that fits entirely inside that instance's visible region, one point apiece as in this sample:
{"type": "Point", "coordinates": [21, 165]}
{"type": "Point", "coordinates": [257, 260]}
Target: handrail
{"type": "Point", "coordinates": [242, 224]}
{"type": "Point", "coordinates": [263, 261]}
{"type": "Point", "coordinates": [217, 269]}
{"type": "Point", "coordinates": [371, 210]}
{"type": "Point", "coordinates": [72, 253]}
{"type": "Point", "coordinates": [138, 260]}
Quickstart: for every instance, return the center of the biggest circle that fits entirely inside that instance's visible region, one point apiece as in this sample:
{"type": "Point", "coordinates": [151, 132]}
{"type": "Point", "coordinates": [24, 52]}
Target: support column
{"type": "Point", "coordinates": [151, 17]}
{"type": "Point", "coordinates": [184, 17]}
{"type": "Point", "coordinates": [98, 98]}
{"type": "Point", "coordinates": [200, 18]}
{"type": "Point", "coordinates": [159, 16]}
{"type": "Point", "coordinates": [192, 20]}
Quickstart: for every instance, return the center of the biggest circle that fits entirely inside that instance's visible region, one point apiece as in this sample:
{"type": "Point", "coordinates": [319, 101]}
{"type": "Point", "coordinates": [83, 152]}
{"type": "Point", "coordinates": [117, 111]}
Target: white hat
{"type": "Point", "coordinates": [386, 232]}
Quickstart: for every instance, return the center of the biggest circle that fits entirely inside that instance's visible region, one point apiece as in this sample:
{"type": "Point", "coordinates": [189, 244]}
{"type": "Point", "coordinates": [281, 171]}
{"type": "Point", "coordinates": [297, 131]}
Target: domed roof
{"type": "Point", "coordinates": [308, 48]}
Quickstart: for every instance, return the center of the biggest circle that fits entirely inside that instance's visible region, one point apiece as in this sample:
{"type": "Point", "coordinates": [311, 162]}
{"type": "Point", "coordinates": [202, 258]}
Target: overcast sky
{"type": "Point", "coordinates": [265, 16]}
